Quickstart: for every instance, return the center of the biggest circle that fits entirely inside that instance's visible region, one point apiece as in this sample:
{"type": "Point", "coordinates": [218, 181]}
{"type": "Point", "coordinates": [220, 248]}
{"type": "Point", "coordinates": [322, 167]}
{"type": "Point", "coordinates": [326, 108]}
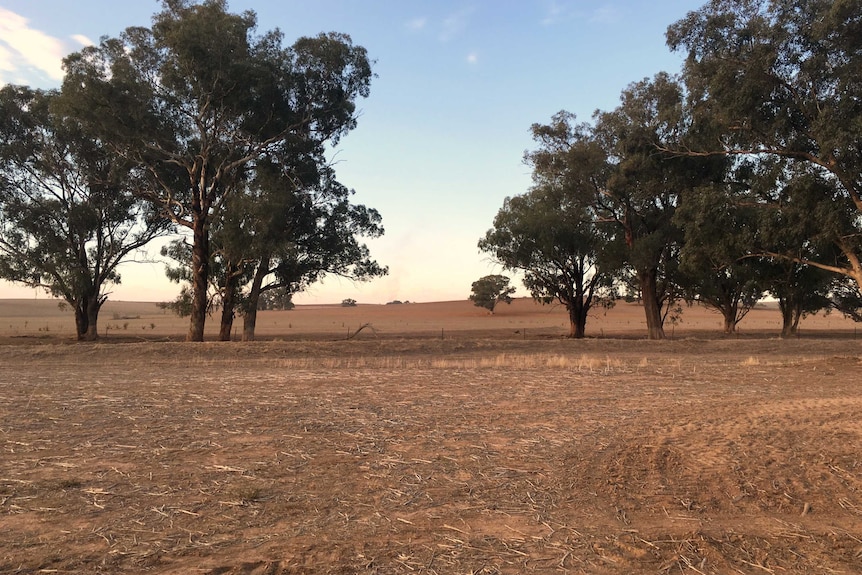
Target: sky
{"type": "Point", "coordinates": [440, 141]}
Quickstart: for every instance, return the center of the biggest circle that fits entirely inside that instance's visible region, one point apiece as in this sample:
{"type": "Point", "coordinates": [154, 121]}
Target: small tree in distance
{"type": "Point", "coordinates": [490, 290]}
{"type": "Point", "coordinates": [276, 299]}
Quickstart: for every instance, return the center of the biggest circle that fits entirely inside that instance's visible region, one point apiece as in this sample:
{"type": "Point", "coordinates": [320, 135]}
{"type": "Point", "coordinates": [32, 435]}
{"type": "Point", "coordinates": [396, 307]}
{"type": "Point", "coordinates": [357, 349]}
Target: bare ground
{"type": "Point", "coordinates": [425, 455]}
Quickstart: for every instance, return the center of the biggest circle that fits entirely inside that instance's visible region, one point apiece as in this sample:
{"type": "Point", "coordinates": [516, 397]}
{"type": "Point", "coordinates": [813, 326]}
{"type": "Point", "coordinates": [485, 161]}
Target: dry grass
{"type": "Point", "coordinates": [403, 454]}
{"type": "Point", "coordinates": [582, 363]}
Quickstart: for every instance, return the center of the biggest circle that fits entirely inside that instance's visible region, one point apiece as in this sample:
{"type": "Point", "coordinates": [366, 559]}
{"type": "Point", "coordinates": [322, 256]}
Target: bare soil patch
{"type": "Point", "coordinates": [415, 453]}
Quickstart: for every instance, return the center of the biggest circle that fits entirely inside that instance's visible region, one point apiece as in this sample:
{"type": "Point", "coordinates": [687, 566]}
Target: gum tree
{"type": "Point", "coordinates": [490, 290]}
{"type": "Point", "coordinates": [630, 186]}
{"type": "Point", "coordinates": [800, 214]}
{"type": "Point", "coordinates": [644, 187]}
{"type": "Point", "coordinates": [552, 233]}
{"type": "Point", "coordinates": [781, 79]}
{"type": "Point", "coordinates": [300, 228]}
{"type": "Point", "coordinates": [715, 264]}
{"type": "Point", "coordinates": [198, 99]}
{"type": "Point", "coordinates": [69, 207]}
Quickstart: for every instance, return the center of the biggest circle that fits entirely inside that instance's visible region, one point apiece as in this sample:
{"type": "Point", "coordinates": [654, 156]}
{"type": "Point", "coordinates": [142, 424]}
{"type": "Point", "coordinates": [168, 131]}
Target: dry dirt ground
{"type": "Point", "coordinates": [440, 442]}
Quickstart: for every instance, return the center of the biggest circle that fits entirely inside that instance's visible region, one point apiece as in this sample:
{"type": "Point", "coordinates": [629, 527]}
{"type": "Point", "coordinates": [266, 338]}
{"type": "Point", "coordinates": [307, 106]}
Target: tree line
{"type": "Point", "coordinates": [735, 178]}
{"type": "Point", "coordinates": [196, 124]}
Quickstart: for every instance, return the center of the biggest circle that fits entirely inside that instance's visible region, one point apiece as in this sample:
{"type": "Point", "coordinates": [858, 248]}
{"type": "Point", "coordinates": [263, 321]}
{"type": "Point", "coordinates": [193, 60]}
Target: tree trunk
{"type": "Point", "coordinates": [729, 312]}
{"type": "Point", "coordinates": [577, 318]}
{"type": "Point", "coordinates": [791, 313]}
{"type": "Point", "coordinates": [228, 303]}
{"type": "Point", "coordinates": [652, 306]}
{"type": "Point", "coordinates": [577, 326]}
{"type": "Point", "coordinates": [729, 323]}
{"type": "Point", "coordinates": [93, 309]}
{"type": "Point", "coordinates": [249, 320]}
{"type": "Point", "coordinates": [82, 319]}
{"type": "Point", "coordinates": [87, 317]}
{"type": "Point", "coordinates": [794, 328]}
{"type": "Point", "coordinates": [200, 279]}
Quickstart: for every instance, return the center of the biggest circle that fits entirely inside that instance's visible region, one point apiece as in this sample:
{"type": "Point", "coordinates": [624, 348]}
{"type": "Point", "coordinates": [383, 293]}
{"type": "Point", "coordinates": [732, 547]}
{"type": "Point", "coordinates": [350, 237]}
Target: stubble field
{"type": "Point", "coordinates": [436, 440]}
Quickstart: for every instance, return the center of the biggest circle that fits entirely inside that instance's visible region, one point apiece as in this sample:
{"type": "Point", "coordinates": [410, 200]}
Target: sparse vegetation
{"type": "Point", "coordinates": [468, 448]}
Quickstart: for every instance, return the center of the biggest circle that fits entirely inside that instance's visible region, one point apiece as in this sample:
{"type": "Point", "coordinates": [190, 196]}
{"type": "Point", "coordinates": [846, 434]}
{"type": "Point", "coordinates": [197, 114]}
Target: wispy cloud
{"type": "Point", "coordinates": [554, 13]}
{"type": "Point", "coordinates": [417, 23]}
{"type": "Point", "coordinates": [454, 24]}
{"type": "Point", "coordinates": [25, 51]}
{"type": "Point", "coordinates": [607, 14]}
{"type": "Point", "coordinates": [472, 58]}
{"type": "Point", "coordinates": [82, 40]}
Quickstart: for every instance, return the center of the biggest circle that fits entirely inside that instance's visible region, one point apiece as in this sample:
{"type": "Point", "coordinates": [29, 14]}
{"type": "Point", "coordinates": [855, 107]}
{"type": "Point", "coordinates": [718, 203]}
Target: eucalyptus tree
{"type": "Point", "coordinates": [716, 262]}
{"type": "Point", "coordinates": [280, 236]}
{"type": "Point", "coordinates": [781, 79]}
{"type": "Point", "coordinates": [552, 233]}
{"type": "Point", "coordinates": [799, 215]}
{"type": "Point", "coordinates": [69, 211]}
{"type": "Point", "coordinates": [488, 291]}
{"type": "Point", "coordinates": [800, 290]}
{"type": "Point", "coordinates": [276, 299]}
{"type": "Point", "coordinates": [198, 99]}
{"type": "Point", "coordinates": [644, 187]}
{"type": "Point", "coordinates": [301, 226]}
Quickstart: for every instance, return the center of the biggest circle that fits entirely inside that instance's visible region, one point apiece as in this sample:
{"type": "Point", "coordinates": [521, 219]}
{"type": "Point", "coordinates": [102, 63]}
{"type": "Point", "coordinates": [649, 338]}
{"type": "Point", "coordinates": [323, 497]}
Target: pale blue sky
{"type": "Point", "coordinates": [440, 140]}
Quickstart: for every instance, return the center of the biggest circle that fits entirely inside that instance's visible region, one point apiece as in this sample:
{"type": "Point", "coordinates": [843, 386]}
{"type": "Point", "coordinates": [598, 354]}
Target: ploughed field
{"type": "Point", "coordinates": [450, 444]}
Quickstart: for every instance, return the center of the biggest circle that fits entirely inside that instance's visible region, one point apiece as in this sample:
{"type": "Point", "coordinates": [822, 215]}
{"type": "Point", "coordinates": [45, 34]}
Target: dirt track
{"type": "Point", "coordinates": [421, 456]}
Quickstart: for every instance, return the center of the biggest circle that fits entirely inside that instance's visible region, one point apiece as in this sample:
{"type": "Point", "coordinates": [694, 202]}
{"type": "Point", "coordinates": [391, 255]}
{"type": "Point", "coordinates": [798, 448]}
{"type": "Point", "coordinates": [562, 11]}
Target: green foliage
{"type": "Point", "coordinates": [800, 213]}
{"type": "Point", "coordinates": [552, 232]}
{"type": "Point", "coordinates": [276, 299]}
{"type": "Point", "coordinates": [293, 225]}
{"type": "Point", "coordinates": [68, 211]}
{"type": "Point", "coordinates": [182, 305]}
{"type": "Point", "coordinates": [491, 290]}
{"type": "Point", "coordinates": [616, 193]}
{"type": "Point", "coordinates": [779, 82]}
{"type": "Point", "coordinates": [198, 102]}
{"type": "Point", "coordinates": [716, 266]}
{"type": "Point", "coordinates": [308, 228]}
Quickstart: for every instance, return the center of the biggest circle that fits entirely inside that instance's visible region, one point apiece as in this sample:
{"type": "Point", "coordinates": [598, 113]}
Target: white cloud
{"type": "Point", "coordinates": [557, 12]}
{"type": "Point", "coordinates": [417, 23]}
{"type": "Point", "coordinates": [472, 58]}
{"type": "Point", "coordinates": [6, 59]}
{"type": "Point", "coordinates": [82, 40]}
{"type": "Point", "coordinates": [25, 51]}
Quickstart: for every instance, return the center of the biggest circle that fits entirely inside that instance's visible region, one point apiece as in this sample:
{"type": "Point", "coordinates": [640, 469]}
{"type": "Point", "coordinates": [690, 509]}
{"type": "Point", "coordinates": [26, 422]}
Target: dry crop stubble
{"type": "Point", "coordinates": [416, 455]}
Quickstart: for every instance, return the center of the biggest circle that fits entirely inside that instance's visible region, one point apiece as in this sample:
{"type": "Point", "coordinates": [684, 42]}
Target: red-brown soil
{"type": "Point", "coordinates": [440, 441]}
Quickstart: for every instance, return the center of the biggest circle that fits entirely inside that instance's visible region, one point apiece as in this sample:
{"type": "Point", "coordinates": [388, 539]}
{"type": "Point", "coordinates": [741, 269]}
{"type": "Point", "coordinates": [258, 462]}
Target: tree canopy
{"type": "Point", "coordinates": [296, 230]}
{"type": "Point", "coordinates": [69, 207]}
{"type": "Point", "coordinates": [552, 232]}
{"type": "Point", "coordinates": [198, 100]}
{"type": "Point", "coordinates": [488, 291]}
{"type": "Point", "coordinates": [782, 79]}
